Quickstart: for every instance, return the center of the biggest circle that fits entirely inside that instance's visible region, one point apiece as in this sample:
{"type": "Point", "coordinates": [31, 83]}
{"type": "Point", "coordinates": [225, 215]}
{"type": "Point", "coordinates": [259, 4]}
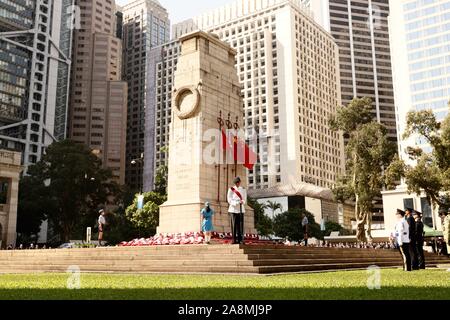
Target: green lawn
{"type": "Point", "coordinates": [395, 284]}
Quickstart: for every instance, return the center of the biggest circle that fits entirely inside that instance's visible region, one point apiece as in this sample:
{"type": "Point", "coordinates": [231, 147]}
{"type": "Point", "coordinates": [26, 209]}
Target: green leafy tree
{"type": "Point", "coordinates": [31, 209]}
{"type": "Point", "coordinates": [368, 152]}
{"type": "Point", "coordinates": [119, 228]}
{"type": "Point", "coordinates": [431, 170]}
{"type": "Point", "coordinates": [146, 220]}
{"type": "Point", "coordinates": [274, 206]}
{"type": "Point", "coordinates": [289, 225]}
{"type": "Point", "coordinates": [263, 223]}
{"type": "Point", "coordinates": [161, 180]}
{"type": "Point", "coordinates": [69, 184]}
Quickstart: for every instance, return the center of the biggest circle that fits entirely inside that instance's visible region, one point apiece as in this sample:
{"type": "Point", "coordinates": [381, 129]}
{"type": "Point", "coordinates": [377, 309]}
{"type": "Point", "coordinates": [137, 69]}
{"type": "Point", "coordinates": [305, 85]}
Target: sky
{"type": "Point", "coordinates": [180, 10]}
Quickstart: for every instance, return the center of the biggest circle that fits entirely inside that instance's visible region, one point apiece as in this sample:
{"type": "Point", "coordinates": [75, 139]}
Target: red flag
{"type": "Point", "coordinates": [242, 153]}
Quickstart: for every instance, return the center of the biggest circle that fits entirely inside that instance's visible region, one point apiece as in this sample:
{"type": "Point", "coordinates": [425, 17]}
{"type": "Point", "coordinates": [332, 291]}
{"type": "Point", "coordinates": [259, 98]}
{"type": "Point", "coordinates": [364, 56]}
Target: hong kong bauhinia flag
{"type": "Point", "coordinates": [242, 153]}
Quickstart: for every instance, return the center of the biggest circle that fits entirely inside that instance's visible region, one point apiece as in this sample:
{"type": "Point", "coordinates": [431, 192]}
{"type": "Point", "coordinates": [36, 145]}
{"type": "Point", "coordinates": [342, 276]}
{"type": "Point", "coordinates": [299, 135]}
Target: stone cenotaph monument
{"type": "Point", "coordinates": [206, 99]}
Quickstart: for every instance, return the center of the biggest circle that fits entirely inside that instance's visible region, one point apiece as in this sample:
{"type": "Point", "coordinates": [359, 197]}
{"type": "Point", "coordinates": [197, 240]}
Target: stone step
{"type": "Point", "coordinates": [131, 269]}
{"type": "Point", "coordinates": [140, 264]}
{"type": "Point", "coordinates": [128, 258]}
{"type": "Point", "coordinates": [201, 259]}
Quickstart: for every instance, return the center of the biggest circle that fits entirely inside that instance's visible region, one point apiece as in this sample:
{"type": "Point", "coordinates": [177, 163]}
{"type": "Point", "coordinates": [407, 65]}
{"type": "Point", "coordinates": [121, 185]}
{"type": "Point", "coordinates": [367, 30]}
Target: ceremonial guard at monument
{"type": "Point", "coordinates": [237, 198]}
{"type": "Point", "coordinates": [402, 239]}
{"type": "Point", "coordinates": [412, 237]}
{"type": "Point", "coordinates": [419, 238]}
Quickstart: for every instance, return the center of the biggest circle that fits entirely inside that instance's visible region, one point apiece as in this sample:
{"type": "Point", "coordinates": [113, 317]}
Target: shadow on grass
{"type": "Point", "coordinates": [356, 293]}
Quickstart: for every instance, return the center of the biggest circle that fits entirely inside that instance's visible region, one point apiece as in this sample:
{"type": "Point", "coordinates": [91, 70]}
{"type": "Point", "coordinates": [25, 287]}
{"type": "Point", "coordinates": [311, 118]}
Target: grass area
{"type": "Point", "coordinates": [349, 285]}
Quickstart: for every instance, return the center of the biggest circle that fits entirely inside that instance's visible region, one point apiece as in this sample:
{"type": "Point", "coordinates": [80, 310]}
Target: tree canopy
{"type": "Point", "coordinates": [146, 220]}
{"type": "Point", "coordinates": [430, 170]}
{"type": "Point", "coordinates": [263, 223]}
{"type": "Point", "coordinates": [368, 152]}
{"type": "Point", "coordinates": [67, 186]}
{"type": "Point", "coordinates": [289, 225]}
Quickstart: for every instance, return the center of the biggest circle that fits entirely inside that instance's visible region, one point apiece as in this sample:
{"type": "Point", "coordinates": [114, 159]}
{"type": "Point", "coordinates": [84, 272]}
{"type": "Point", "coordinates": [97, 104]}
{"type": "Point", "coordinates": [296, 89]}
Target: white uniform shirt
{"type": "Point", "coordinates": [101, 220]}
{"type": "Point", "coordinates": [234, 201]}
{"type": "Point", "coordinates": [402, 232]}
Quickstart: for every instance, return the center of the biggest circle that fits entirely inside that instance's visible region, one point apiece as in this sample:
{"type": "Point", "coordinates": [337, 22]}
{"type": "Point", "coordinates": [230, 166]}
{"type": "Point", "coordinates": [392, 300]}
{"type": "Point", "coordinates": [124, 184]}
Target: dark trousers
{"type": "Point", "coordinates": [414, 255]}
{"type": "Point", "coordinates": [404, 250]}
{"type": "Point", "coordinates": [305, 234]}
{"type": "Point", "coordinates": [236, 227]}
{"type": "Point", "coordinates": [420, 254]}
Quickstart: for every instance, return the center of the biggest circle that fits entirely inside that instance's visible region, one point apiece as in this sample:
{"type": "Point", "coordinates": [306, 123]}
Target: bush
{"type": "Point", "coordinates": [289, 225]}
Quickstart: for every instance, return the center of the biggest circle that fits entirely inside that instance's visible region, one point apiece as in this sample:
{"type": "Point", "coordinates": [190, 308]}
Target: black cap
{"type": "Point", "coordinates": [401, 212]}
{"type": "Point", "coordinates": [417, 213]}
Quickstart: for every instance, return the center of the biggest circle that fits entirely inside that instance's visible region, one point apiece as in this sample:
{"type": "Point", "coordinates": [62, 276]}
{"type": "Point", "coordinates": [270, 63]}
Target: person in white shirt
{"type": "Point", "coordinates": [237, 198]}
{"type": "Point", "coordinates": [402, 239]}
{"type": "Point", "coordinates": [101, 226]}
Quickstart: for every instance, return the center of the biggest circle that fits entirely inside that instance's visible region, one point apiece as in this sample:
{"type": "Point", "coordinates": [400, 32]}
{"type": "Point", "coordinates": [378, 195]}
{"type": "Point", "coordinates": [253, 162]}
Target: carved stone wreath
{"type": "Point", "coordinates": [186, 102]}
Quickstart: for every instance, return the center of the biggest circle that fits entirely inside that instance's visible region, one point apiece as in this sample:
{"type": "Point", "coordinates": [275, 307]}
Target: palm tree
{"type": "Point", "coordinates": [274, 206]}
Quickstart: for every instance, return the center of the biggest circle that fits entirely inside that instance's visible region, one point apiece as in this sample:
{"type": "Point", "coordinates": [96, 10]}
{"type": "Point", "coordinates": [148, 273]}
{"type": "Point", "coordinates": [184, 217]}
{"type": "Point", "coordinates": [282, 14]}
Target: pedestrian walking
{"type": "Point", "coordinates": [402, 239]}
{"type": "Point", "coordinates": [207, 224]}
{"type": "Point", "coordinates": [237, 198]}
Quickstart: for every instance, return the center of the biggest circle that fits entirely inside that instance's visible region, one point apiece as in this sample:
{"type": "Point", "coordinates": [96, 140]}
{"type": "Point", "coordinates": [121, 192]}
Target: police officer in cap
{"type": "Point", "coordinates": [413, 241]}
{"type": "Point", "coordinates": [419, 238]}
{"type": "Point", "coordinates": [402, 239]}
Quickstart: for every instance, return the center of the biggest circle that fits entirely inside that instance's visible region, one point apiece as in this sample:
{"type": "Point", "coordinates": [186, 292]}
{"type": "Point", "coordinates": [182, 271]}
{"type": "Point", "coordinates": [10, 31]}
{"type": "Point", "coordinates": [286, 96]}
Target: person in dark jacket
{"type": "Point", "coordinates": [419, 238]}
{"type": "Point", "coordinates": [413, 241]}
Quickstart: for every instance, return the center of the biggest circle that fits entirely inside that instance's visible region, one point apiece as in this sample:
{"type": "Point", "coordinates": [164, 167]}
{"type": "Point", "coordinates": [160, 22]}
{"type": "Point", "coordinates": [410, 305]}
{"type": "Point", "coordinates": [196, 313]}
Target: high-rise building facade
{"type": "Point", "coordinates": [289, 71]}
{"type": "Point", "coordinates": [35, 62]}
{"type": "Point", "coordinates": [98, 100]}
{"type": "Point", "coordinates": [420, 36]}
{"type": "Point", "coordinates": [360, 28]}
{"type": "Point", "coordinates": [146, 25]}
{"type": "Point", "coordinates": [161, 70]}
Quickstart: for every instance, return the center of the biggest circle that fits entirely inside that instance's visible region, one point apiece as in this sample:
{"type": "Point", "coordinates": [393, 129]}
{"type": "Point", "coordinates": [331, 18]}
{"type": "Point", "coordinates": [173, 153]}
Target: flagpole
{"type": "Point", "coordinates": [219, 166]}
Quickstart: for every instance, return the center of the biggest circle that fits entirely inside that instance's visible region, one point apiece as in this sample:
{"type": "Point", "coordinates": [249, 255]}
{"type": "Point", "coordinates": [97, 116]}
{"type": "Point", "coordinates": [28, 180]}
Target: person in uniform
{"type": "Point", "coordinates": [412, 237]}
{"type": "Point", "coordinates": [101, 226]}
{"type": "Point", "coordinates": [237, 198]}
{"type": "Point", "coordinates": [419, 238]}
{"type": "Point", "coordinates": [207, 224]}
{"type": "Point", "coordinates": [402, 239]}
{"type": "Point", "coordinates": [446, 230]}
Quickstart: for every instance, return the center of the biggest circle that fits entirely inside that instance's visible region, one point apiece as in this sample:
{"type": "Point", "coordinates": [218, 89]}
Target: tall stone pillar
{"type": "Point", "coordinates": [10, 168]}
{"type": "Point", "coordinates": [206, 88]}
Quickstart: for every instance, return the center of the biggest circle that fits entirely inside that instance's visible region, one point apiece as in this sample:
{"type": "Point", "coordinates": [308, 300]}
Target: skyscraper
{"type": "Point", "coordinates": [361, 30]}
{"type": "Point", "coordinates": [35, 46]}
{"type": "Point", "coordinates": [420, 43]}
{"type": "Point", "coordinates": [98, 101]}
{"type": "Point", "coordinates": [146, 25]}
{"type": "Point", "coordinates": [420, 35]}
{"type": "Point", "coordinates": [289, 71]}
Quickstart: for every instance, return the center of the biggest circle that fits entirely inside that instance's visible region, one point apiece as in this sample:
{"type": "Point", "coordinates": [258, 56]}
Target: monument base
{"type": "Point", "coordinates": [178, 218]}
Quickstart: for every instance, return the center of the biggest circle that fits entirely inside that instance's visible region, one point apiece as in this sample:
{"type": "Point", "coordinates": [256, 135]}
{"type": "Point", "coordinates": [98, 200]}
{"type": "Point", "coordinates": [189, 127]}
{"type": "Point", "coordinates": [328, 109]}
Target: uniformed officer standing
{"type": "Point", "coordinates": [402, 237]}
{"type": "Point", "coordinates": [446, 230]}
{"type": "Point", "coordinates": [237, 198]}
{"type": "Point", "coordinates": [412, 237]}
{"type": "Point", "coordinates": [419, 238]}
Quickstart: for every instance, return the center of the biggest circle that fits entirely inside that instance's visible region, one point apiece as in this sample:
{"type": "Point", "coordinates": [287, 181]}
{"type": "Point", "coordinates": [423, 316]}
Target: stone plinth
{"type": "Point", "coordinates": [206, 87]}
{"type": "Point", "coordinates": [10, 168]}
